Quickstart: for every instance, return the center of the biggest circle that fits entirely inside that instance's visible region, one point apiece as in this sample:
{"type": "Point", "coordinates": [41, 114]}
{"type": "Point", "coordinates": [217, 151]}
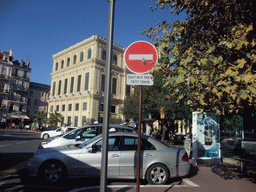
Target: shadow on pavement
{"type": "Point", "coordinates": [34, 184]}
{"type": "Point", "coordinates": [192, 172]}
{"type": "Point", "coordinates": [9, 160]}
{"type": "Point", "coordinates": [227, 171]}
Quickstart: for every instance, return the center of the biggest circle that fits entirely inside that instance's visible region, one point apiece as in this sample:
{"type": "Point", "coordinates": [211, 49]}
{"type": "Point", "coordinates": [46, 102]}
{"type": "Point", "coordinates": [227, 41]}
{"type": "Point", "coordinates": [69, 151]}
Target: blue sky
{"type": "Point", "coordinates": [38, 29]}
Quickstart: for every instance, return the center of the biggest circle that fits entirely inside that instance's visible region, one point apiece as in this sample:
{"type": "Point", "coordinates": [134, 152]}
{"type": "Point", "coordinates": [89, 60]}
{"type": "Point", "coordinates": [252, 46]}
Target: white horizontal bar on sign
{"type": "Point", "coordinates": [141, 56]}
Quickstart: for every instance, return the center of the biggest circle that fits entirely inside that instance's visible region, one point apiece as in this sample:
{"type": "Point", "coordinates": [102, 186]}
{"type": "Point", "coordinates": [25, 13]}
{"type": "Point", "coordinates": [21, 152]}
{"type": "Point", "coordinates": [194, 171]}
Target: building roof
{"type": "Point", "coordinates": [39, 86]}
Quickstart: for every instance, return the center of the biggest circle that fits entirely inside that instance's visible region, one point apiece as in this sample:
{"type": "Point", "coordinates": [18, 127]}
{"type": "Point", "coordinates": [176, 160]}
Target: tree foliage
{"type": "Point", "coordinates": [232, 123]}
{"type": "Point", "coordinates": [40, 117]}
{"type": "Point", "coordinates": [154, 98]}
{"type": "Point", "coordinates": [55, 118]}
{"type": "Point", "coordinates": [209, 57]}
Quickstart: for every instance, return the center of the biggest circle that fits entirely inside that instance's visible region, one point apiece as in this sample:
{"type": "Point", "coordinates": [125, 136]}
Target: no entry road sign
{"type": "Point", "coordinates": [140, 57]}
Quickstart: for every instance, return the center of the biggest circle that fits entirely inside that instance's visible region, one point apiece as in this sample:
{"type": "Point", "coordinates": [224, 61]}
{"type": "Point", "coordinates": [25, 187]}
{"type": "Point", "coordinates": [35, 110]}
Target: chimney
{"type": "Point", "coordinates": [22, 63]}
{"type": "Point", "coordinates": [11, 51]}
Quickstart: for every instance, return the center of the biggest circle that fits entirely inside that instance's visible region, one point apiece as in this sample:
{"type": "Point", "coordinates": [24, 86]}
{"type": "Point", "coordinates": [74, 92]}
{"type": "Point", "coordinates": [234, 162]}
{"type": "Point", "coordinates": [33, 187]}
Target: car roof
{"type": "Point", "coordinates": [110, 126]}
{"type": "Point", "coordinates": [159, 145]}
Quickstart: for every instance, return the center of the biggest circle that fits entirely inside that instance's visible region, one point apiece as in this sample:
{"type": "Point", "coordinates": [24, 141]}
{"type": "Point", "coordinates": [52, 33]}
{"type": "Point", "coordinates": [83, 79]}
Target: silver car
{"type": "Point", "coordinates": [159, 161]}
{"type": "Point", "coordinates": [81, 135]}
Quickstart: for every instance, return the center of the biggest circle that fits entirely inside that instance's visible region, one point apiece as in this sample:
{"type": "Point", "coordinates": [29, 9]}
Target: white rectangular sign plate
{"type": "Point", "coordinates": [134, 79]}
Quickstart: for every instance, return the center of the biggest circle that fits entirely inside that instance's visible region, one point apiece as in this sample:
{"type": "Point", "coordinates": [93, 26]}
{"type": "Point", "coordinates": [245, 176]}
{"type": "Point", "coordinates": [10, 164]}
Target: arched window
{"type": "Point", "coordinates": [81, 56]}
{"type": "Point", "coordinates": [103, 55]}
{"type": "Point", "coordinates": [115, 60]}
{"type": "Point", "coordinates": [62, 64]}
{"type": "Point", "coordinates": [56, 66]}
{"type": "Point", "coordinates": [74, 60]}
{"type": "Point", "coordinates": [68, 62]}
{"type": "Point", "coordinates": [89, 56]}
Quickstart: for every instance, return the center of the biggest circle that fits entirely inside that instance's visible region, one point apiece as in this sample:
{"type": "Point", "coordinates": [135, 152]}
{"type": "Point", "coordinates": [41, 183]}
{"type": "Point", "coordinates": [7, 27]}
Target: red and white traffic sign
{"type": "Point", "coordinates": [140, 57]}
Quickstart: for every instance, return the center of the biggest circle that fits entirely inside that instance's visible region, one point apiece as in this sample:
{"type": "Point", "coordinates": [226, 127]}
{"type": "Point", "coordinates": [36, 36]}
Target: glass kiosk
{"type": "Point", "coordinates": [205, 138]}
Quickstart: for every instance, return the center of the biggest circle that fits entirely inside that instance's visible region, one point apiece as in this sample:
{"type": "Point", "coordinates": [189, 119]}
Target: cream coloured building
{"type": "Point", "coordinates": [78, 81]}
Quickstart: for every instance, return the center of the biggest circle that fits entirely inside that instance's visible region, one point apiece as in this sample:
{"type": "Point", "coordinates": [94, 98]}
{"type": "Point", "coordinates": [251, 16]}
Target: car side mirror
{"type": "Point", "coordinates": [92, 148]}
{"type": "Point", "coordinates": [78, 138]}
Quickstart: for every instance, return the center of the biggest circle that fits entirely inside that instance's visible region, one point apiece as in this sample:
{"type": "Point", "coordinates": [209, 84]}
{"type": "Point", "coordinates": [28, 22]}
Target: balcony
{"type": "Point", "coordinates": [4, 77]}
{"type": "Point", "coordinates": [19, 88]}
{"type": "Point", "coordinates": [3, 91]}
{"type": "Point", "coordinates": [2, 107]}
{"type": "Point", "coordinates": [21, 100]}
{"type": "Point", "coordinates": [18, 76]}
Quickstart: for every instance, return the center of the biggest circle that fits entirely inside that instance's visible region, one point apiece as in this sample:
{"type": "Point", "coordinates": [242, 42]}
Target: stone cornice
{"type": "Point", "coordinates": [84, 42]}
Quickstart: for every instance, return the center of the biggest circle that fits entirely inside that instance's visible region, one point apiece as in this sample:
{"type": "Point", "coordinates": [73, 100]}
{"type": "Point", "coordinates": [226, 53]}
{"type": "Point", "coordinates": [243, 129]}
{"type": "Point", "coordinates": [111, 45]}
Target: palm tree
{"type": "Point", "coordinates": [55, 118]}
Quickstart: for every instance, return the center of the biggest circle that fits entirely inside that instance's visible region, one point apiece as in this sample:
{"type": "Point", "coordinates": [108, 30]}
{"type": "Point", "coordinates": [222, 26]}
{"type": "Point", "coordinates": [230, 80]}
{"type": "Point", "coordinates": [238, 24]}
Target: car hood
{"type": "Point", "coordinates": [62, 149]}
{"type": "Point", "coordinates": [52, 138]}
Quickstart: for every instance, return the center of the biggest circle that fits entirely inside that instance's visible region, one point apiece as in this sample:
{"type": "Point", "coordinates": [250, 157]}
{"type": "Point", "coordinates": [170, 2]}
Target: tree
{"type": "Point", "coordinates": [232, 123]}
{"type": "Point", "coordinates": [155, 98]}
{"type": "Point", "coordinates": [55, 118]}
{"type": "Point", "coordinates": [209, 57]}
{"type": "Point", "coordinates": [40, 117]}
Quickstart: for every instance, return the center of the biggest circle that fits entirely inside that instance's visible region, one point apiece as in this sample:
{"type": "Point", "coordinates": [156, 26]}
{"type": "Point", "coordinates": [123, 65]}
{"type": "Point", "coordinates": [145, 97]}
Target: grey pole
{"type": "Point", "coordinates": [105, 131]}
{"type": "Point", "coordinates": [139, 141]}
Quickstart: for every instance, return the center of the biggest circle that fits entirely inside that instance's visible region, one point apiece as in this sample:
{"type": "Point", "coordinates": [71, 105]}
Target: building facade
{"type": "Point", "coordinates": [78, 81]}
{"type": "Point", "coordinates": [18, 93]}
{"type": "Point", "coordinates": [37, 98]}
{"type": "Point", "coordinates": [6, 63]}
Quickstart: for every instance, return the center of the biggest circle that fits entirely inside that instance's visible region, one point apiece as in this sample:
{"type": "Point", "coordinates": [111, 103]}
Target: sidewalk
{"type": "Point", "coordinates": [223, 178]}
{"type": "Point", "coordinates": [207, 179]}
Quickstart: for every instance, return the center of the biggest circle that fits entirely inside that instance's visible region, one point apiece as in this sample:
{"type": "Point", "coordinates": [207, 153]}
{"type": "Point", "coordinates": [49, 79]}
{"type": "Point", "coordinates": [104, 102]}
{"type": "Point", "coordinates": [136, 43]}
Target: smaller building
{"type": "Point", "coordinates": [18, 93]}
{"type": "Point", "coordinates": [6, 64]}
{"type": "Point", "coordinates": [37, 98]}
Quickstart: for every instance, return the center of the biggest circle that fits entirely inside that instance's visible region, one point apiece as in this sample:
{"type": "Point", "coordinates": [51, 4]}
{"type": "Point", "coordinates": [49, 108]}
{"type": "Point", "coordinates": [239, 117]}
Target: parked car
{"type": "Point", "coordinates": [81, 135]}
{"type": "Point", "coordinates": [52, 133]}
{"type": "Point", "coordinates": [27, 126]}
{"type": "Point", "coordinates": [247, 145]}
{"type": "Point", "coordinates": [159, 162]}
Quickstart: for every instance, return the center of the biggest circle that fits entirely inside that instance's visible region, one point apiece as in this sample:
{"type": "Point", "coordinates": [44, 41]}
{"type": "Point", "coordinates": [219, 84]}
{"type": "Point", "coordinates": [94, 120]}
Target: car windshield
{"type": "Point", "coordinates": [88, 142]}
{"type": "Point", "coordinates": [73, 134]}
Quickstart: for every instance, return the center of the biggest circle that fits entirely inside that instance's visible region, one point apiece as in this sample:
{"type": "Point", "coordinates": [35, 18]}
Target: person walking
{"type": "Point", "coordinates": [148, 130]}
{"type": "Point", "coordinates": [64, 129]}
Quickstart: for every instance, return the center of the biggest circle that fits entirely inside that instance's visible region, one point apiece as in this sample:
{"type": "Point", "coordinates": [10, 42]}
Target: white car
{"type": "Point", "coordinates": [54, 133]}
{"type": "Point", "coordinates": [81, 135]}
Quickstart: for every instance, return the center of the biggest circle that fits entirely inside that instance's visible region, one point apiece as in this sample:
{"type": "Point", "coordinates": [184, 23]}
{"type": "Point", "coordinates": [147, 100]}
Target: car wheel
{"type": "Point", "coordinates": [46, 136]}
{"type": "Point", "coordinates": [52, 172]}
{"type": "Point", "coordinates": [157, 174]}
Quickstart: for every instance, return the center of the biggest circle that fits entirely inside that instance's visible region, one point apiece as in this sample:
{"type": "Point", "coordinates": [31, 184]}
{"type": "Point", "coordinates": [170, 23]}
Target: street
{"type": "Point", "coordinates": [17, 146]}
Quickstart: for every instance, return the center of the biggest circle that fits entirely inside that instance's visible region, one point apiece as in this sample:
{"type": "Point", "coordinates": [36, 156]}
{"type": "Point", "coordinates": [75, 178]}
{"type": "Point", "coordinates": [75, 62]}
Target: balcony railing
{"type": "Point", "coordinates": [17, 76]}
{"type": "Point", "coordinates": [3, 91]}
{"type": "Point", "coordinates": [4, 77]}
{"type": "Point", "coordinates": [2, 106]}
{"type": "Point", "coordinates": [18, 99]}
{"type": "Point", "coordinates": [19, 87]}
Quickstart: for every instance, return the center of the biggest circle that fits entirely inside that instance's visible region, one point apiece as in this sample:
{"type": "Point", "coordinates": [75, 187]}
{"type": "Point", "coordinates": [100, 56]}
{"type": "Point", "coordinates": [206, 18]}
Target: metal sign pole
{"type": "Point", "coordinates": [105, 130]}
{"type": "Point", "coordinates": [139, 140]}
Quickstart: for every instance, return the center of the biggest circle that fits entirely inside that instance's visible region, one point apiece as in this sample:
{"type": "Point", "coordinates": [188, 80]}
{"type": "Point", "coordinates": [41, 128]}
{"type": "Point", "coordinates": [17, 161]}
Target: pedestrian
{"type": "Point", "coordinates": [148, 130]}
{"type": "Point", "coordinates": [64, 129]}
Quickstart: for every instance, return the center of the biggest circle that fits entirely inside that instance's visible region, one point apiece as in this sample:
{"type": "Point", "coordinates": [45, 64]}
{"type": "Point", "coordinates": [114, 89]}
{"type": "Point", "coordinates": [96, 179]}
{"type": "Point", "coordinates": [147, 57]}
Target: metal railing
{"type": "Point", "coordinates": [3, 76]}
{"type": "Point", "coordinates": [3, 91]}
{"type": "Point", "coordinates": [19, 87]}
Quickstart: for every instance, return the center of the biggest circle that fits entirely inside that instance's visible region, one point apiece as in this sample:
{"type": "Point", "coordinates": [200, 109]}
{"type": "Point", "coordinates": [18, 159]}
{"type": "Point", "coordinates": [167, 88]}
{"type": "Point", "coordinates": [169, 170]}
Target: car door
{"type": "Point", "coordinates": [91, 161]}
{"type": "Point", "coordinates": [128, 155]}
{"type": "Point", "coordinates": [55, 133]}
